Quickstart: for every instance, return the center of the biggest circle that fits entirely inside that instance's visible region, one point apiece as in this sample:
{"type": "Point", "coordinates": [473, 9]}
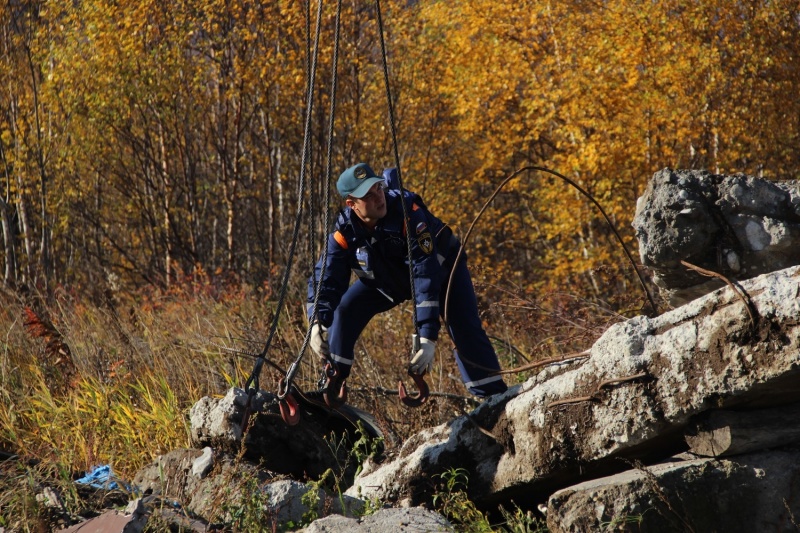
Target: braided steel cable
{"type": "Point", "coordinates": [406, 219]}
{"type": "Point", "coordinates": [252, 382]}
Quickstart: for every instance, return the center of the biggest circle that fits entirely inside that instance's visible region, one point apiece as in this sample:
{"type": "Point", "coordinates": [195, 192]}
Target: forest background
{"type": "Point", "coordinates": [150, 156]}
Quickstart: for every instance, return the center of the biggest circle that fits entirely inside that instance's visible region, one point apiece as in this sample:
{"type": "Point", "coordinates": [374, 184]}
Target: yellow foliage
{"type": "Point", "coordinates": [171, 135]}
{"type": "Point", "coordinates": [607, 94]}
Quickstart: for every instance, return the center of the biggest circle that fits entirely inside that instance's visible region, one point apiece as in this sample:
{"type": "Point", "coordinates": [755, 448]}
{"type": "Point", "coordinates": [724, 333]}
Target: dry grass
{"type": "Point", "coordinates": [110, 380]}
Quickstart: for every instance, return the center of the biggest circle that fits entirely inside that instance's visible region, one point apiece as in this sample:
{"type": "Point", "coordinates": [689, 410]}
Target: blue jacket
{"type": "Point", "coordinates": [380, 260]}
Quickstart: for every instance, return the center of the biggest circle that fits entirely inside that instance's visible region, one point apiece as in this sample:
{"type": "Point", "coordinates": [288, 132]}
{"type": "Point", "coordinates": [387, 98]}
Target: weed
{"type": "Point", "coordinates": [346, 454]}
{"type": "Point", "coordinates": [621, 521]}
{"type": "Point", "coordinates": [19, 508]}
{"type": "Point", "coordinates": [311, 500]}
{"type": "Point", "coordinates": [43, 497]}
{"type": "Point", "coordinates": [365, 447]}
{"type": "Point", "coordinates": [452, 501]}
{"type": "Point", "coordinates": [371, 506]}
{"type": "Point", "coordinates": [250, 509]}
{"type": "Point", "coordinates": [138, 371]}
{"type": "Point", "coordinates": [520, 521]}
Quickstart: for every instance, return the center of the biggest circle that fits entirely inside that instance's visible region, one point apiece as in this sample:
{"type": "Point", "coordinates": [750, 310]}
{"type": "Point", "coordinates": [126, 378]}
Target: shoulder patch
{"type": "Point", "coordinates": [425, 242]}
{"type": "Point", "coordinates": [340, 239]}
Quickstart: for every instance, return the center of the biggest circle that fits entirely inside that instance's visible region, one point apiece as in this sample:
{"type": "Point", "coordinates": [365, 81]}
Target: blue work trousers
{"type": "Point", "coordinates": [475, 356]}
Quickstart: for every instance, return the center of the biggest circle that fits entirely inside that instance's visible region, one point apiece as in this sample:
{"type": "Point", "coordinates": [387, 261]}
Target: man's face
{"type": "Point", "coordinates": [372, 206]}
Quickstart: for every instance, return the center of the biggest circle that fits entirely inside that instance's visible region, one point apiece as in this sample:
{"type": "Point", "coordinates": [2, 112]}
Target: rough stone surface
{"type": "Point", "coordinates": [722, 433]}
{"type": "Point", "coordinates": [172, 476]}
{"type": "Point", "coordinates": [297, 450]}
{"type": "Point", "coordinates": [739, 226]}
{"type": "Point", "coordinates": [220, 419]}
{"type": "Point", "coordinates": [753, 492]}
{"type": "Point", "coordinates": [395, 520]}
{"type": "Point", "coordinates": [705, 354]}
{"type": "Point", "coordinates": [285, 498]}
{"type": "Point", "coordinates": [204, 463]}
{"type": "Point", "coordinates": [625, 403]}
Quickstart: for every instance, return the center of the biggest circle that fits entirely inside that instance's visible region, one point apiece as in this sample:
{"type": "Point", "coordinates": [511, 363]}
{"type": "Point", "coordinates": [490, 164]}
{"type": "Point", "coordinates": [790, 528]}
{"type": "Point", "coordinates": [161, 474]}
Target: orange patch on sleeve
{"type": "Point", "coordinates": [340, 239]}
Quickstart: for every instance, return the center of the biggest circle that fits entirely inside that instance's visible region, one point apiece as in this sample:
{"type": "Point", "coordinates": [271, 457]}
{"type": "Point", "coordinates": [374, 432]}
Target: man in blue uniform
{"type": "Point", "coordinates": [369, 239]}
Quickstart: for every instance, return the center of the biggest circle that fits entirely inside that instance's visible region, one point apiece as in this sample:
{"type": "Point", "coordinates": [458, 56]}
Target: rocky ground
{"type": "Point", "coordinates": [683, 421]}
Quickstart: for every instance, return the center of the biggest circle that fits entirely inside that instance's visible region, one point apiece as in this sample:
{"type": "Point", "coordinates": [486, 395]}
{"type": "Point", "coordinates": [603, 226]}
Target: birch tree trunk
{"type": "Point", "coordinates": [24, 220]}
{"type": "Point", "coordinates": [166, 221]}
{"type": "Point", "coordinates": [10, 274]}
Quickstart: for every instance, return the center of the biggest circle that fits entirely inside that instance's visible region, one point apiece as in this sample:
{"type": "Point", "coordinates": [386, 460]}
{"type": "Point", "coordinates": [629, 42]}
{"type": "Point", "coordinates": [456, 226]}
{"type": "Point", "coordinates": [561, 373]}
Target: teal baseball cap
{"type": "Point", "coordinates": [356, 181]}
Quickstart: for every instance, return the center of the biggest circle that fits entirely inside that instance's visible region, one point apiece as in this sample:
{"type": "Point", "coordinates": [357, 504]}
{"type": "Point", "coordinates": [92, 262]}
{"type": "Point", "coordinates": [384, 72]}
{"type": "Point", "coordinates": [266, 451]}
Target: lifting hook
{"type": "Point", "coordinates": [422, 395]}
{"type": "Point", "coordinates": [335, 389]}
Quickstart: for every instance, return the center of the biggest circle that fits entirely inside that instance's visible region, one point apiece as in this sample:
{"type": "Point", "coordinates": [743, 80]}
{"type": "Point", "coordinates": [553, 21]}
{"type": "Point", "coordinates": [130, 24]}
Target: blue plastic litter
{"type": "Point", "coordinates": [100, 478]}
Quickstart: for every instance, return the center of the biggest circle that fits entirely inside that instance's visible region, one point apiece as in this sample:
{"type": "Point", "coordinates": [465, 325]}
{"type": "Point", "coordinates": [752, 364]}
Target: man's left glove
{"type": "Point", "coordinates": [319, 340]}
{"type": "Point", "coordinates": [423, 360]}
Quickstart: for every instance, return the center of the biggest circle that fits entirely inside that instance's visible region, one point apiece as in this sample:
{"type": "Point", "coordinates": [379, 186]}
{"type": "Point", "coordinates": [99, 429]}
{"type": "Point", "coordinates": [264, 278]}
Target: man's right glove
{"type": "Point", "coordinates": [423, 360]}
{"type": "Point", "coordinates": [319, 340]}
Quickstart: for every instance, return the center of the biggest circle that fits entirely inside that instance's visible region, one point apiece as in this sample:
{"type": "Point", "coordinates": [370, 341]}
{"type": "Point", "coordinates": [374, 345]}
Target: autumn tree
{"type": "Point", "coordinates": [29, 142]}
{"type": "Point", "coordinates": [148, 141]}
{"type": "Point", "coordinates": [606, 93]}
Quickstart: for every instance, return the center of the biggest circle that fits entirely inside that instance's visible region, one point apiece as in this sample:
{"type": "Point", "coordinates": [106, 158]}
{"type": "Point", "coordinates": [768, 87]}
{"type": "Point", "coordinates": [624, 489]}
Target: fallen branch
{"type": "Point", "coordinates": [544, 362]}
{"type": "Point", "coordinates": [477, 426]}
{"type": "Point", "coordinates": [743, 296]}
{"type": "Point", "coordinates": [593, 396]}
{"type": "Point", "coordinates": [609, 382]}
{"type": "Point", "coordinates": [590, 398]}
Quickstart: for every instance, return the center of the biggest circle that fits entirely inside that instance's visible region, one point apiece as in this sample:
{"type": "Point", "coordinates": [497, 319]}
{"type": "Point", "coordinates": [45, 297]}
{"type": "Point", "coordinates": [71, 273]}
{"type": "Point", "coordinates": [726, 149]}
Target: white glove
{"type": "Point", "coordinates": [423, 360]}
{"type": "Point", "coordinates": [319, 339]}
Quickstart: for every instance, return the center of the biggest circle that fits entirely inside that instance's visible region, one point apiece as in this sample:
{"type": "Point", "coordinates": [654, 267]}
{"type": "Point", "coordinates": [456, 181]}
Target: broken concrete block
{"type": "Point", "coordinates": [752, 492]}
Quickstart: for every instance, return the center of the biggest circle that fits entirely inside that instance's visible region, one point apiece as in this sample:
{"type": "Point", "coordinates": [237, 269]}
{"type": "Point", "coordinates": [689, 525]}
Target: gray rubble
{"type": "Point", "coordinates": [598, 442]}
{"type": "Point", "coordinates": [631, 398]}
{"type": "Point", "coordinates": [722, 433]}
{"type": "Point", "coordinates": [396, 520]}
{"type": "Point", "coordinates": [738, 226]}
{"type": "Point", "coordinates": [752, 492]}
{"type": "Point", "coordinates": [296, 451]}
{"type": "Point", "coordinates": [208, 491]}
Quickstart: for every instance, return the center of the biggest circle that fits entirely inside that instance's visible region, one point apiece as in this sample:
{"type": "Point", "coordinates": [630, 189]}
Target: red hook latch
{"type": "Point", "coordinates": [290, 411]}
{"type": "Point", "coordinates": [335, 390]}
{"type": "Point", "coordinates": [422, 395]}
